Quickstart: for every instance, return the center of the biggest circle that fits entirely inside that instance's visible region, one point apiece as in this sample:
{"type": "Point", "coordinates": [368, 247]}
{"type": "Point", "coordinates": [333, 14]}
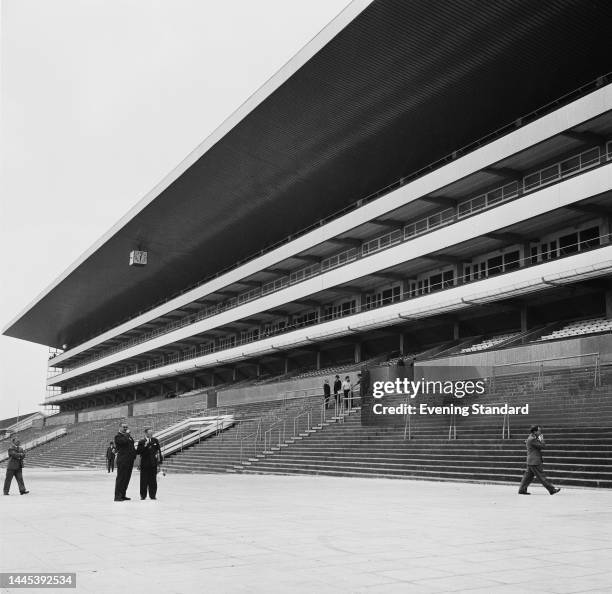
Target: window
{"type": "Point", "coordinates": [495, 265]}
{"type": "Point", "coordinates": [306, 319]}
{"type": "Point", "coordinates": [249, 335]}
{"type": "Point", "coordinates": [568, 244]}
{"type": "Point", "coordinates": [589, 238]}
{"type": "Point", "coordinates": [340, 310]}
{"type": "Point", "coordinates": [448, 279]}
{"type": "Point", "coordinates": [512, 260]}
{"type": "Point", "coordinates": [383, 297]}
{"type": "Point", "coordinates": [274, 327]}
{"type": "Point", "coordinates": [435, 282]}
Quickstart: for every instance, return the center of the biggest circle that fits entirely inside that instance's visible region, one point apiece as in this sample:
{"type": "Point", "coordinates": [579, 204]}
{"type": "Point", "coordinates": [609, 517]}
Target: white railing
{"type": "Point", "coordinates": [191, 430]}
{"type": "Point", "coordinates": [304, 273]}
{"type": "Point", "coordinates": [487, 200]}
{"type": "Point", "coordinates": [580, 162]}
{"type": "Point", "coordinates": [275, 285]}
{"type": "Point", "coordinates": [339, 259]}
{"type": "Point", "coordinates": [429, 223]}
{"type": "Point", "coordinates": [552, 173]}
{"type": "Point", "coordinates": [382, 242]}
{"type": "Point", "coordinates": [249, 296]}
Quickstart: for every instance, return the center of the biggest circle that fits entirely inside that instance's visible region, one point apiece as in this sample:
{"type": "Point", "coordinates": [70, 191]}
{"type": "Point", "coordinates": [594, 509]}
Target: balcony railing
{"type": "Point", "coordinates": [570, 166]}
{"type": "Point", "coordinates": [534, 115]}
{"type": "Point", "coordinates": [227, 343]}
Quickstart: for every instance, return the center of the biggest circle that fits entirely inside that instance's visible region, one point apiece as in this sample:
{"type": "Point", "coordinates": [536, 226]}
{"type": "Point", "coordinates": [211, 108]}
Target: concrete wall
{"type": "Point", "coordinates": [62, 419]}
{"type": "Point", "coordinates": [575, 349]}
{"type": "Point", "coordinates": [115, 412]}
{"type": "Point", "coordinates": [277, 391]}
{"type": "Point", "coordinates": [161, 406]}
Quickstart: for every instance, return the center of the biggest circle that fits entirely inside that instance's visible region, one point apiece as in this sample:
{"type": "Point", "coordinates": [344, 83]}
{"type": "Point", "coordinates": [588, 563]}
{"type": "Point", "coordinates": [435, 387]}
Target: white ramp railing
{"type": "Point", "coordinates": [189, 431]}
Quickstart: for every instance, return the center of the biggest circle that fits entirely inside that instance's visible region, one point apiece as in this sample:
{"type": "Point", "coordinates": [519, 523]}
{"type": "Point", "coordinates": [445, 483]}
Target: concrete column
{"type": "Point", "coordinates": [526, 259]}
{"type": "Point", "coordinates": [459, 273]}
{"type": "Point", "coordinates": [455, 330]}
{"type": "Point", "coordinates": [357, 352]}
{"type": "Point", "coordinates": [524, 319]}
{"type": "Point", "coordinates": [606, 229]}
{"type": "Point", "coordinates": [234, 374]}
{"type": "Point", "coordinates": [286, 364]}
{"type": "Point", "coordinates": [609, 303]}
{"type": "Point", "coordinates": [401, 343]}
{"type": "Point", "coordinates": [318, 360]}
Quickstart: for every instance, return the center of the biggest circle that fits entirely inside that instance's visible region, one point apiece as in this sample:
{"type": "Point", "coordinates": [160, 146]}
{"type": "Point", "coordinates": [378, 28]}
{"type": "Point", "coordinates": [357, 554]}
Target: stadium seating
{"type": "Point", "coordinates": [580, 328]}
{"type": "Point", "coordinates": [85, 444]}
{"type": "Point", "coordinates": [577, 421]}
{"type": "Point", "coordinates": [489, 343]}
{"type": "Point", "coordinates": [222, 452]}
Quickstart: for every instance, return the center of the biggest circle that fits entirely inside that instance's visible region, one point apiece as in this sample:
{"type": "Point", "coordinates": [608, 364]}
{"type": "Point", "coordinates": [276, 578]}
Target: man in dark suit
{"type": "Point", "coordinates": [337, 388]}
{"type": "Point", "coordinates": [326, 393]}
{"type": "Point", "coordinates": [535, 444]}
{"type": "Point", "coordinates": [110, 457]}
{"type": "Point", "coordinates": [16, 455]}
{"type": "Point", "coordinates": [150, 454]}
{"type": "Point", "coordinates": [126, 453]}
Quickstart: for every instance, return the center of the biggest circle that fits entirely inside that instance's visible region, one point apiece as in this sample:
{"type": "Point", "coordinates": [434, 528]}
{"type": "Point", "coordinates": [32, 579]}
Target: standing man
{"type": "Point", "coordinates": [346, 389]}
{"type": "Point", "coordinates": [337, 388]}
{"type": "Point", "coordinates": [16, 454]}
{"type": "Point", "coordinates": [150, 454]}
{"type": "Point", "coordinates": [535, 444]}
{"type": "Point", "coordinates": [124, 444]}
{"type": "Point", "coordinates": [110, 457]}
{"type": "Point", "coordinates": [326, 392]}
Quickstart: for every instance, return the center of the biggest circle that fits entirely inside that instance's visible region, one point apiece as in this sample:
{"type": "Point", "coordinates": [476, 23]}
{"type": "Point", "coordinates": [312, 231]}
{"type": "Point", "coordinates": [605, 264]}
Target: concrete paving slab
{"type": "Point", "coordinates": [243, 533]}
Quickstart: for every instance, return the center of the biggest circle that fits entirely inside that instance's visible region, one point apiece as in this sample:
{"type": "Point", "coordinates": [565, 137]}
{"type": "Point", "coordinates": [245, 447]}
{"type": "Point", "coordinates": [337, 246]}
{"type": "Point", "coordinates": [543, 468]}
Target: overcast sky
{"type": "Point", "coordinates": [100, 99]}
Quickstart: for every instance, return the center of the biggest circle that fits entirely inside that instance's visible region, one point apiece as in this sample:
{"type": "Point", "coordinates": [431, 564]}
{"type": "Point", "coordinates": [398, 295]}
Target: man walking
{"type": "Point", "coordinates": [124, 444]}
{"type": "Point", "coordinates": [110, 457]}
{"type": "Point", "coordinates": [535, 444]}
{"type": "Point", "coordinates": [16, 454]}
{"type": "Point", "coordinates": [150, 454]}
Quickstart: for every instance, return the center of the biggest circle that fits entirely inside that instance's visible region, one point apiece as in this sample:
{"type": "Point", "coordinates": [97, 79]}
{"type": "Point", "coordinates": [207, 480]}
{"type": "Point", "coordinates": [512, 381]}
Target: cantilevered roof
{"type": "Point", "coordinates": [384, 90]}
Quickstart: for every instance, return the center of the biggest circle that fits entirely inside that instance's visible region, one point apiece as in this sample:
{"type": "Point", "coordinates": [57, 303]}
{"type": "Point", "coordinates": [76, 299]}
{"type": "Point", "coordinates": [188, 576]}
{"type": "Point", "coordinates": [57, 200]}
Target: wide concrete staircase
{"type": "Point", "coordinates": [257, 424]}
{"type": "Point", "coordinates": [84, 445]}
{"type": "Point", "coordinates": [576, 416]}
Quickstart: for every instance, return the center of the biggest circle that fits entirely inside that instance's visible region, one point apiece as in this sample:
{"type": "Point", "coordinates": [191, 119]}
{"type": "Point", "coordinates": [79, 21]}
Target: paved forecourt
{"type": "Point", "coordinates": [235, 533]}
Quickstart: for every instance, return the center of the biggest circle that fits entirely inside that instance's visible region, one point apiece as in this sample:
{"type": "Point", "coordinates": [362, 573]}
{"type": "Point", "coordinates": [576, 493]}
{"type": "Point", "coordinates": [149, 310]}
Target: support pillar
{"type": "Point", "coordinates": [318, 360]}
{"type": "Point", "coordinates": [606, 229]}
{"type": "Point", "coordinates": [455, 330]}
{"type": "Point", "coordinates": [524, 319]}
{"type": "Point", "coordinates": [402, 342]}
{"type": "Point", "coordinates": [357, 352]}
{"type": "Point", "coordinates": [609, 303]}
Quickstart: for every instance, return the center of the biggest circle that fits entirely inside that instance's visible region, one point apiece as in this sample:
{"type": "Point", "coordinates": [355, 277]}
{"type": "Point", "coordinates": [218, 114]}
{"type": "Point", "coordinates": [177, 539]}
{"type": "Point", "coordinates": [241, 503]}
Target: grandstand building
{"type": "Point", "coordinates": [420, 180]}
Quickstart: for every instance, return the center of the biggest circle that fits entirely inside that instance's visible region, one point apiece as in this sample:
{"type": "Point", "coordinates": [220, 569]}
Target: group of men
{"type": "Point", "coordinates": [342, 388]}
{"type": "Point", "coordinates": [151, 457]}
{"type": "Point", "coordinates": [149, 450]}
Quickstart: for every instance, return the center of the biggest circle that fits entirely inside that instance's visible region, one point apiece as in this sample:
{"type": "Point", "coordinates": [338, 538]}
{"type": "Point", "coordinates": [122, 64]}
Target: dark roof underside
{"type": "Point", "coordinates": [404, 84]}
